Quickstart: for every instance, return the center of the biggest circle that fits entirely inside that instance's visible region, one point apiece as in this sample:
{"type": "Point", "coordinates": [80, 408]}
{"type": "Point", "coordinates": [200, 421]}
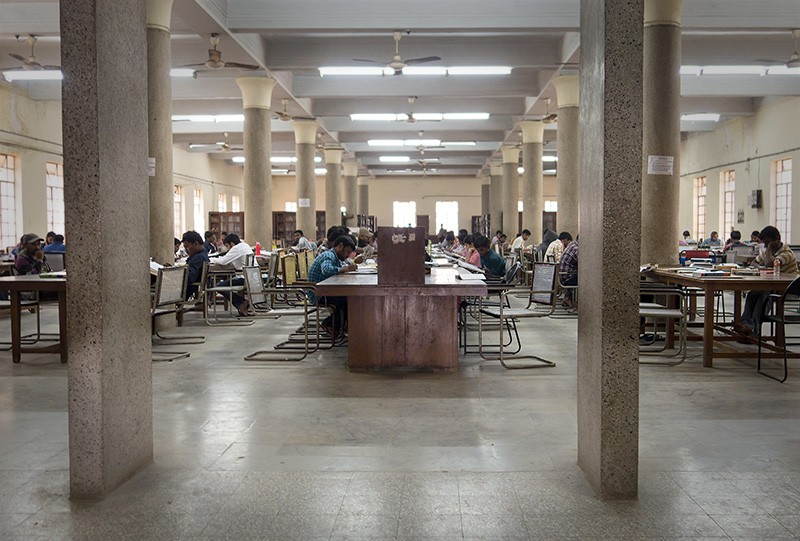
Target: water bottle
{"type": "Point", "coordinates": [777, 266]}
{"type": "Point", "coordinates": [258, 248]}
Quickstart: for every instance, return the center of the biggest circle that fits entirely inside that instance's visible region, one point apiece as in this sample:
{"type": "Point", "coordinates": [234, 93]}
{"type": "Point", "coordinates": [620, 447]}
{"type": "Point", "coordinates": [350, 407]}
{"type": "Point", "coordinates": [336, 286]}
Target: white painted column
{"type": "Point", "coordinates": [532, 182]}
{"type": "Point", "coordinates": [333, 187]}
{"type": "Point", "coordinates": [567, 186]}
{"type": "Point", "coordinates": [256, 99]}
{"type": "Point", "coordinates": [510, 191]}
{"type": "Point", "coordinates": [305, 136]}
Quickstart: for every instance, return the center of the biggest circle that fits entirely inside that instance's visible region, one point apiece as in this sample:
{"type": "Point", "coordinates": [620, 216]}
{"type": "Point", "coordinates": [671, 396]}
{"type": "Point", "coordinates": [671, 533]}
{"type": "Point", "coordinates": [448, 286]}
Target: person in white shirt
{"type": "Point", "coordinates": [521, 241]}
{"type": "Point", "coordinates": [301, 243]}
{"type": "Point", "coordinates": [236, 256]}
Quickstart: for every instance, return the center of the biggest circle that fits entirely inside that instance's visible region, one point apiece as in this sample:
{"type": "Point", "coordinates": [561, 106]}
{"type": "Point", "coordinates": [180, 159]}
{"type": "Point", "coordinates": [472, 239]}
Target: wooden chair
{"type": "Point", "coordinates": [289, 267]}
{"type": "Point", "coordinates": [302, 265]}
{"type": "Point", "coordinates": [169, 298]}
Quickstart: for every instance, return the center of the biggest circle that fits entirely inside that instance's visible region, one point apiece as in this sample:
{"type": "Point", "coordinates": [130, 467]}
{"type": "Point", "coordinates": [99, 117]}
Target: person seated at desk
{"type": "Point", "coordinates": [754, 238]}
{"type": "Point", "coordinates": [713, 240]}
{"type": "Point", "coordinates": [755, 304]}
{"type": "Point", "coordinates": [210, 245]}
{"type": "Point", "coordinates": [180, 253]}
{"type": "Point", "coordinates": [556, 248]}
{"type": "Point", "coordinates": [30, 259]}
{"type": "Point", "coordinates": [520, 243]}
{"type": "Point", "coordinates": [56, 246]}
{"type": "Point", "coordinates": [547, 239]}
{"type": "Point", "coordinates": [330, 263]}
{"type": "Point", "coordinates": [687, 239]}
{"type": "Point", "coordinates": [236, 257]}
{"type": "Point", "coordinates": [198, 256]}
{"type": "Point", "coordinates": [471, 255]}
{"type": "Point", "coordinates": [333, 233]}
{"type": "Point", "coordinates": [568, 267]}
{"type": "Point", "coordinates": [491, 262]}
{"type": "Point", "coordinates": [300, 242]}
{"type": "Point", "coordinates": [366, 245]}
{"type": "Point", "coordinates": [735, 242]}
{"type": "Point", "coordinates": [450, 242]}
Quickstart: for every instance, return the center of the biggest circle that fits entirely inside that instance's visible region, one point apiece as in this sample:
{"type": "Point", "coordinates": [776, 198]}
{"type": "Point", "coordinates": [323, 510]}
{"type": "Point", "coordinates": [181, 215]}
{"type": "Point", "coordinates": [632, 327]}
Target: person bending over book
{"type": "Point", "coordinates": [491, 262]}
{"type": "Point", "coordinates": [330, 263]}
{"type": "Point", "coordinates": [755, 305]}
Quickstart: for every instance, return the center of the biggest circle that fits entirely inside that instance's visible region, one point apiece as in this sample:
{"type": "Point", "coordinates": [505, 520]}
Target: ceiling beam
{"type": "Point", "coordinates": [40, 18]}
{"type": "Point", "coordinates": [740, 85]}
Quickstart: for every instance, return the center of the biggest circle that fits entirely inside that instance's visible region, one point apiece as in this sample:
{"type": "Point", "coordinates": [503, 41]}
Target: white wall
{"type": "Point", "coordinates": [749, 146]}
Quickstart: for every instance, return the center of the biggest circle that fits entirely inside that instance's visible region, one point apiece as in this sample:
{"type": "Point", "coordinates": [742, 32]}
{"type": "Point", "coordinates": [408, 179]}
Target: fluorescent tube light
{"type": "Point", "coordinates": [320, 170]}
{"type": "Point", "coordinates": [424, 70]}
{"type": "Point", "coordinates": [390, 117]}
{"type": "Point", "coordinates": [479, 70]}
{"type": "Point", "coordinates": [403, 142]}
{"type": "Point", "coordinates": [228, 118]}
{"type": "Point", "coordinates": [466, 116]}
{"type": "Point", "coordinates": [280, 171]}
{"type": "Point", "coordinates": [422, 142]}
{"type": "Point", "coordinates": [283, 159]}
{"type": "Point", "coordinates": [549, 158]}
{"type": "Point", "coordinates": [238, 159]}
{"type": "Point", "coordinates": [549, 172]}
{"type": "Point", "coordinates": [734, 70]}
{"type": "Point", "coordinates": [385, 142]}
{"type": "Point", "coordinates": [317, 159]}
{"type": "Point", "coordinates": [435, 117]}
{"type": "Point", "coordinates": [459, 143]}
{"type": "Point", "coordinates": [208, 118]}
{"type": "Point", "coordinates": [33, 75]}
{"type": "Point", "coordinates": [691, 70]}
{"type": "Point", "coordinates": [181, 72]}
{"type": "Point", "coordinates": [346, 70]}
{"type": "Point", "coordinates": [782, 70]}
{"type": "Point", "coordinates": [394, 159]}
{"type": "Point", "coordinates": [398, 170]}
{"type": "Point", "coordinates": [701, 117]}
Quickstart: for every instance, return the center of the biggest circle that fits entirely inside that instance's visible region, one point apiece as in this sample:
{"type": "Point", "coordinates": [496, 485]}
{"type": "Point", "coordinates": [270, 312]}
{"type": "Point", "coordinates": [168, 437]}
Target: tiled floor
{"type": "Point", "coordinates": [310, 451]}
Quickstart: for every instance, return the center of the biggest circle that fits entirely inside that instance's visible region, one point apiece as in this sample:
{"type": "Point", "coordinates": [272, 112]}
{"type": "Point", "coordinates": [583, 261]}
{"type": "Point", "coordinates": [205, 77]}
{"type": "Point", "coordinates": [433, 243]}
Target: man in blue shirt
{"type": "Point", "coordinates": [490, 260]}
{"type": "Point", "coordinates": [327, 264]}
{"type": "Point", "coordinates": [198, 255]}
{"type": "Point", "coordinates": [57, 245]}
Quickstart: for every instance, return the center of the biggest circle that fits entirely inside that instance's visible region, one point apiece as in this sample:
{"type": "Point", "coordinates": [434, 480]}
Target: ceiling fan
{"type": "Point", "coordinates": [286, 117]}
{"type": "Point", "coordinates": [215, 61]}
{"type": "Point", "coordinates": [221, 146]}
{"type": "Point", "coordinates": [397, 63]}
{"type": "Point", "coordinates": [794, 58]}
{"type": "Point", "coordinates": [30, 63]}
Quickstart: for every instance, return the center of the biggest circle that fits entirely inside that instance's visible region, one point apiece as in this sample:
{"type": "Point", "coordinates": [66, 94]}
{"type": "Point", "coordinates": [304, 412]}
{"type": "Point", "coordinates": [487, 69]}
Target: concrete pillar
{"type": "Point", "coordinates": [305, 136]}
{"type": "Point", "coordinates": [662, 131]}
{"type": "Point", "coordinates": [159, 129]}
{"type": "Point", "coordinates": [363, 197]}
{"type": "Point", "coordinates": [510, 191]}
{"type": "Point", "coordinates": [333, 187]}
{"type": "Point", "coordinates": [256, 98]}
{"type": "Point", "coordinates": [610, 195]}
{"type": "Point", "coordinates": [486, 189]}
{"type": "Point", "coordinates": [532, 182]}
{"type": "Point", "coordinates": [567, 189]}
{"type": "Point", "coordinates": [351, 192]}
{"type": "Point", "coordinates": [496, 191]}
{"type": "Point", "coordinates": [104, 112]}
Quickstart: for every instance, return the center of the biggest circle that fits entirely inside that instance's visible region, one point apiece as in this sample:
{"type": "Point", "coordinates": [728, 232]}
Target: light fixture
{"type": "Point", "coordinates": [320, 170]}
{"type": "Point", "coordinates": [520, 206]}
{"type": "Point", "coordinates": [404, 142]}
{"type": "Point", "coordinates": [392, 117]}
{"type": "Point", "coordinates": [208, 118]}
{"type": "Point", "coordinates": [691, 70]}
{"type": "Point", "coordinates": [280, 171]}
{"type": "Point", "coordinates": [479, 70]}
{"type": "Point", "coordinates": [520, 169]}
{"type": "Point", "coordinates": [424, 70]}
{"type": "Point", "coordinates": [385, 117]}
{"type": "Point", "coordinates": [238, 159]}
{"type": "Point", "coordinates": [33, 75]}
{"type": "Point", "coordinates": [466, 116]}
{"type": "Point", "coordinates": [394, 159]}
{"type": "Point", "coordinates": [343, 209]}
{"type": "Point", "coordinates": [459, 143]}
{"type": "Point", "coordinates": [415, 70]}
{"type": "Point", "coordinates": [701, 117]}
{"type": "Point", "coordinates": [549, 172]}
{"type": "Point", "coordinates": [345, 70]}
{"type": "Point", "coordinates": [181, 72]}
{"type": "Point", "coordinates": [398, 170]}
{"type": "Point", "coordinates": [283, 159]}
{"type": "Point", "coordinates": [549, 158]}
{"type": "Point", "coordinates": [428, 117]}
{"type": "Point", "coordinates": [782, 70]}
{"type": "Point", "coordinates": [734, 70]}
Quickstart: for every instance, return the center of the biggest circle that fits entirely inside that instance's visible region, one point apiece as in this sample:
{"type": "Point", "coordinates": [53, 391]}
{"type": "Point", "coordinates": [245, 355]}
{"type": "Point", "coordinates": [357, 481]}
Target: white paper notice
{"type": "Point", "coordinates": [151, 167]}
{"type": "Point", "coordinates": [660, 165]}
{"type": "Point", "coordinates": [303, 202]}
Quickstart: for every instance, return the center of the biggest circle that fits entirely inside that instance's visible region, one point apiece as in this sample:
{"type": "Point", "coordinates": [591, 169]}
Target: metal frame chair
{"type": "Point", "coordinates": [780, 318]}
{"type": "Point", "coordinates": [208, 296]}
{"type": "Point", "coordinates": [548, 274]}
{"type": "Point", "coordinates": [656, 312]}
{"type": "Point", "coordinates": [169, 297]}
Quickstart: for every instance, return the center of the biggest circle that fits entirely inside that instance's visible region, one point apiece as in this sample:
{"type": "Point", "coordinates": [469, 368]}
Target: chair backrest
{"type": "Point", "coordinates": [55, 260]}
{"type": "Point", "coordinates": [691, 254]}
{"type": "Point", "coordinates": [311, 255]}
{"type": "Point", "coordinates": [792, 290]}
{"type": "Point", "coordinates": [302, 265]}
{"type": "Point", "coordinates": [289, 264]}
{"type": "Point", "coordinates": [170, 286]}
{"type": "Point", "coordinates": [511, 274]}
{"type": "Point", "coordinates": [511, 260]}
{"type": "Point", "coordinates": [544, 283]}
{"type": "Point", "coordinates": [254, 284]}
{"type": "Point", "coordinates": [274, 261]}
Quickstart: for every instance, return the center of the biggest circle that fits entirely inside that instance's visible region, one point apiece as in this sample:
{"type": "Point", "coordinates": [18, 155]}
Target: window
{"type": "Point", "coordinates": [783, 198]}
{"type": "Point", "coordinates": [199, 219]}
{"type": "Point", "coordinates": [55, 197]}
{"type": "Point", "coordinates": [290, 206]}
{"type": "Point", "coordinates": [700, 207]}
{"type": "Point", "coordinates": [235, 203]}
{"type": "Point", "coordinates": [404, 213]}
{"type": "Point", "coordinates": [447, 214]}
{"type": "Point", "coordinates": [178, 210]}
{"type": "Point", "coordinates": [222, 203]}
{"type": "Point", "coordinates": [728, 193]}
{"type": "Point", "coordinates": [8, 204]}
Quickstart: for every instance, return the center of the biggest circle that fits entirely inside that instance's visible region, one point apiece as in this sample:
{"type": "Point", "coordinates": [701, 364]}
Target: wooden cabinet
{"type": "Point", "coordinates": [229, 222]}
{"type": "Point", "coordinates": [321, 228]}
{"type": "Point", "coordinates": [480, 224]}
{"type": "Point", "coordinates": [367, 221]}
{"type": "Point", "coordinates": [284, 225]}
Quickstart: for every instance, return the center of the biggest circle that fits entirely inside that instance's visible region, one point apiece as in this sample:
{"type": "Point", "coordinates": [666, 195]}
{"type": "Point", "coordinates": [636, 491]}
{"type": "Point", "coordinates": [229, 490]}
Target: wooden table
{"type": "Point", "coordinates": [402, 326]}
{"type": "Point", "coordinates": [710, 285]}
{"type": "Point", "coordinates": [15, 285]}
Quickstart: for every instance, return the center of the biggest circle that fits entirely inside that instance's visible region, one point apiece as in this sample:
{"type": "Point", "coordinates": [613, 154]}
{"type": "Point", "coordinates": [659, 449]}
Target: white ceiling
{"type": "Point", "coordinates": [290, 39]}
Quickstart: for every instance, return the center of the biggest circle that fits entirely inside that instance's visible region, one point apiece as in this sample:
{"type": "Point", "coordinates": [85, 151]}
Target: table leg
{"type": "Point", "coordinates": [62, 325]}
{"type": "Point", "coordinates": [737, 306]}
{"type": "Point", "coordinates": [16, 325]}
{"type": "Point", "coordinates": [708, 328]}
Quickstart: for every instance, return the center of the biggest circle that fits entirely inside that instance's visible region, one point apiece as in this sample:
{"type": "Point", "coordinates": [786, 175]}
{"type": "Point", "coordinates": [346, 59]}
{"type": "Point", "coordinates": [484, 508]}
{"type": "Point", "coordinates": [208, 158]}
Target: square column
{"type": "Point", "coordinates": [104, 109]}
{"type": "Point", "coordinates": [608, 278]}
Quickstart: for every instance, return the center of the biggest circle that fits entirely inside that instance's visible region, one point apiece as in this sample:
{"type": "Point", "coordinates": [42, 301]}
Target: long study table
{"type": "Point", "coordinates": [15, 285]}
{"type": "Point", "coordinates": [710, 285]}
{"type": "Point", "coordinates": [402, 326]}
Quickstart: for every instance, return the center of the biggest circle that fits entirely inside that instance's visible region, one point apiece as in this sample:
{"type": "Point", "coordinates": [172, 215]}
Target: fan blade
{"type": "Point", "coordinates": [52, 68]}
{"type": "Point", "coordinates": [365, 60]}
{"type": "Point", "coordinates": [550, 118]}
{"type": "Point", "coordinates": [200, 65]}
{"type": "Point", "coordinates": [18, 57]}
{"type": "Point", "coordinates": [303, 118]}
{"type": "Point", "coordinates": [241, 66]}
{"type": "Point", "coordinates": [421, 60]}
